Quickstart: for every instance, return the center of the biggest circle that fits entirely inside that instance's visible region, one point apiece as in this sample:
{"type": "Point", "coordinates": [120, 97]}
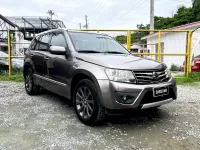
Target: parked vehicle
{"type": "Point", "coordinates": [195, 66]}
{"type": "Point", "coordinates": [17, 63]}
{"type": "Point", "coordinates": [96, 73]}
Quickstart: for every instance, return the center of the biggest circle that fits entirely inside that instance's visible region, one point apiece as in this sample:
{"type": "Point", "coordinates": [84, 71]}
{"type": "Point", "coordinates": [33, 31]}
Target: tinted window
{"type": "Point", "coordinates": [33, 44]}
{"type": "Point", "coordinates": [58, 39]}
{"type": "Point", "coordinates": [43, 42]}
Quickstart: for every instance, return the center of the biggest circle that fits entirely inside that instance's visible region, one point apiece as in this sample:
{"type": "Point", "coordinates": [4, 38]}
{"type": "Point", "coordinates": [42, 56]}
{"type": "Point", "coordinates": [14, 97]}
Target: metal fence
{"type": "Point", "coordinates": [168, 46]}
{"type": "Point", "coordinates": [12, 51]}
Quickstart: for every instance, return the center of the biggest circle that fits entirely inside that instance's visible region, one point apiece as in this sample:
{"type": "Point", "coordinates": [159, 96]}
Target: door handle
{"type": "Point", "coordinates": [46, 58]}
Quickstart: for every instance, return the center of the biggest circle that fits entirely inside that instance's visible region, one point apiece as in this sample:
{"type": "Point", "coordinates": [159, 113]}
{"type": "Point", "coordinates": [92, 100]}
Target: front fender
{"type": "Point", "coordinates": [94, 72]}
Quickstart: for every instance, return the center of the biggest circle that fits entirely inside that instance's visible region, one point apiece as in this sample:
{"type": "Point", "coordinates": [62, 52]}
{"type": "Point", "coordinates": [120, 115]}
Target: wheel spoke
{"type": "Point", "coordinates": [90, 108]}
{"type": "Point", "coordinates": [87, 110]}
{"type": "Point", "coordinates": [84, 112]}
{"type": "Point", "coordinates": [90, 101]}
{"type": "Point", "coordinates": [79, 96]}
{"type": "Point", "coordinates": [78, 102]}
{"type": "Point", "coordinates": [83, 96]}
{"type": "Point", "coordinates": [88, 94]}
{"type": "Point", "coordinates": [81, 109]}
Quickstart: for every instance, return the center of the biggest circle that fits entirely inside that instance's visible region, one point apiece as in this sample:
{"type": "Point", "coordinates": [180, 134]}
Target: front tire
{"type": "Point", "coordinates": [87, 104]}
{"type": "Point", "coordinates": [30, 86]}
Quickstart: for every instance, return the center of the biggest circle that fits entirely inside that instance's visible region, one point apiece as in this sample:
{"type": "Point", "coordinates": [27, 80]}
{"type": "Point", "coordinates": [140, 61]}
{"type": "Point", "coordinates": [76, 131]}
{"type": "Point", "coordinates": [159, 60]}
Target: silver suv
{"type": "Point", "coordinates": [96, 73]}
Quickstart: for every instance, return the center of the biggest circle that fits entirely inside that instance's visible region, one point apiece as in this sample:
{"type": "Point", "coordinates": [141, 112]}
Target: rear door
{"type": "Point", "coordinates": [37, 56]}
{"type": "Point", "coordinates": [56, 66]}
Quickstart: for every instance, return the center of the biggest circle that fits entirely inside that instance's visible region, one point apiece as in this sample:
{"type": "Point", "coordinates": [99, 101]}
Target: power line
{"type": "Point", "coordinates": [101, 8]}
{"type": "Point", "coordinates": [130, 10]}
{"type": "Point", "coordinates": [97, 5]}
{"type": "Point", "coordinates": [66, 19]}
{"type": "Point", "coordinates": [183, 1]}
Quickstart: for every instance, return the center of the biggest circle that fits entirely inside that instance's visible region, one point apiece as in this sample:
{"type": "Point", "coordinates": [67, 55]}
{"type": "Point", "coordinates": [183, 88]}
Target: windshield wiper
{"type": "Point", "coordinates": [88, 51]}
{"type": "Point", "coordinates": [113, 52]}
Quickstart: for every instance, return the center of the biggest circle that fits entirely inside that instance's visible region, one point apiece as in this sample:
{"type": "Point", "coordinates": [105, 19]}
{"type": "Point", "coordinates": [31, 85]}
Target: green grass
{"type": "Point", "coordinates": [192, 79]}
{"type": "Point", "coordinates": [17, 77]}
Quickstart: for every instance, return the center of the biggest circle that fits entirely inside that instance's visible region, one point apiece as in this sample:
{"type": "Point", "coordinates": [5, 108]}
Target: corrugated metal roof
{"type": "Point", "coordinates": [182, 27]}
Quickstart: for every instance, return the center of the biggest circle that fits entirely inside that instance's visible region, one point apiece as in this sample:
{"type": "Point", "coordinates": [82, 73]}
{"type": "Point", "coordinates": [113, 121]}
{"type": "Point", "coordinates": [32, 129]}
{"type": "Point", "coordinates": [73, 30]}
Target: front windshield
{"type": "Point", "coordinates": [92, 42]}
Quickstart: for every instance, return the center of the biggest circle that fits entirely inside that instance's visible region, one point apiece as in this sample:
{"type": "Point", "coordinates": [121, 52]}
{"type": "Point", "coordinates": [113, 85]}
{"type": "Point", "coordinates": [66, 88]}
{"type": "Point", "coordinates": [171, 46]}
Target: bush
{"type": "Point", "coordinates": [175, 68]}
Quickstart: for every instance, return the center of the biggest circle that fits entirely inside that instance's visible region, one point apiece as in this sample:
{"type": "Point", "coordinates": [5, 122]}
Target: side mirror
{"type": "Point", "coordinates": [59, 50]}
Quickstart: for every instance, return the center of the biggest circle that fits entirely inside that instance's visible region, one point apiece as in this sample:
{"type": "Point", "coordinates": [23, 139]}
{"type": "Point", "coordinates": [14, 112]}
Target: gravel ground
{"type": "Point", "coordinates": [48, 122]}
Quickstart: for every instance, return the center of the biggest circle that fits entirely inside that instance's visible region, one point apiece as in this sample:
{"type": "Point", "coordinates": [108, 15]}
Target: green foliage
{"type": "Point", "coordinates": [183, 16]}
{"type": "Point", "coordinates": [136, 36]}
{"type": "Point", "coordinates": [121, 39]}
{"type": "Point", "coordinates": [192, 79]}
{"type": "Point", "coordinates": [13, 39]}
{"type": "Point", "coordinates": [175, 68]}
{"type": "Point", "coordinates": [196, 9]}
{"type": "Point", "coordinates": [17, 77]}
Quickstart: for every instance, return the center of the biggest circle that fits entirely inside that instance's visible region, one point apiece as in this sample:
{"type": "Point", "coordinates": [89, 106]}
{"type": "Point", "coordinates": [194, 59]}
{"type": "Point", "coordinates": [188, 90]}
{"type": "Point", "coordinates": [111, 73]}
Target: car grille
{"type": "Point", "coordinates": [151, 77]}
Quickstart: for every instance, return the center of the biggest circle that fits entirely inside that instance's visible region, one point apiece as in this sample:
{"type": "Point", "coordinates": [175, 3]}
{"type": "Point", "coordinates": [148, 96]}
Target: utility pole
{"type": "Point", "coordinates": [151, 14]}
{"type": "Point", "coordinates": [80, 25]}
{"type": "Point", "coordinates": [51, 13]}
{"type": "Point", "coordinates": [86, 22]}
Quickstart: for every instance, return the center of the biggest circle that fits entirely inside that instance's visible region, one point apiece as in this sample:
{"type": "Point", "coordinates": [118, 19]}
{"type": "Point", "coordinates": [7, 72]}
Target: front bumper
{"type": "Point", "coordinates": [143, 94]}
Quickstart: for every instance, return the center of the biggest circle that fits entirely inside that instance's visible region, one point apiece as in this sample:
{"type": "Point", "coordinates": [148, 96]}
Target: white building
{"type": "Point", "coordinates": [174, 43]}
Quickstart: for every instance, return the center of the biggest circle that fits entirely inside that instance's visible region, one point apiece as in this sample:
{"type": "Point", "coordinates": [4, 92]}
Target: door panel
{"type": "Point", "coordinates": [56, 67]}
{"type": "Point", "coordinates": [38, 61]}
{"type": "Point", "coordinates": [38, 55]}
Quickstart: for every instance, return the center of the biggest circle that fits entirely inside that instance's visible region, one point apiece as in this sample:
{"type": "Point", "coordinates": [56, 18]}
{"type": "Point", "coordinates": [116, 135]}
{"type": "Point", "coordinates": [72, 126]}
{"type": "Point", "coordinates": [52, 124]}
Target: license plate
{"type": "Point", "coordinates": [160, 91]}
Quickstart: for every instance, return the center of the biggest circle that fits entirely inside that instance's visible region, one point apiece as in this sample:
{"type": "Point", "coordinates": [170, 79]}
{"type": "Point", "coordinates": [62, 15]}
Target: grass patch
{"type": "Point", "coordinates": [192, 79]}
{"type": "Point", "coordinates": [17, 77]}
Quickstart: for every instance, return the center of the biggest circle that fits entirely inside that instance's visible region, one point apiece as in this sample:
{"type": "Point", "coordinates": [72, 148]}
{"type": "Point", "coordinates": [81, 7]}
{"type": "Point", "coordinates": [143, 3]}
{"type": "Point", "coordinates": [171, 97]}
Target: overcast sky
{"type": "Point", "coordinates": [101, 13]}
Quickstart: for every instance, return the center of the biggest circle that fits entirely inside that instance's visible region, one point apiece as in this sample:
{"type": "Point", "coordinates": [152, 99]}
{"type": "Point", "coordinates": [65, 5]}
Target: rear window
{"type": "Point", "coordinates": [42, 43]}
{"type": "Point", "coordinates": [33, 43]}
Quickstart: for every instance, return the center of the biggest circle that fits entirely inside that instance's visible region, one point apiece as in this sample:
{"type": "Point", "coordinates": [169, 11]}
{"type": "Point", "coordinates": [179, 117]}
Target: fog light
{"type": "Point", "coordinates": [125, 98]}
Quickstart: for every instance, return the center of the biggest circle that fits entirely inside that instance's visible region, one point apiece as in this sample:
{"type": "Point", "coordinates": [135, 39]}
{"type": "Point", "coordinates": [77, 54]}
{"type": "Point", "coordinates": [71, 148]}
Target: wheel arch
{"type": "Point", "coordinates": [26, 66]}
{"type": "Point", "coordinates": [84, 74]}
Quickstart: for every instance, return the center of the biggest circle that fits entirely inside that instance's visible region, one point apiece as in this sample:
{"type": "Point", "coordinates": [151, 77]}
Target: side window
{"type": "Point", "coordinates": [58, 39]}
{"type": "Point", "coordinates": [43, 42]}
{"type": "Point", "coordinates": [33, 44]}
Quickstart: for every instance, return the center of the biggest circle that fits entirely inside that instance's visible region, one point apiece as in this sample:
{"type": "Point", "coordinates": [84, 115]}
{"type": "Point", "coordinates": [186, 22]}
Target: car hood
{"type": "Point", "coordinates": [128, 62]}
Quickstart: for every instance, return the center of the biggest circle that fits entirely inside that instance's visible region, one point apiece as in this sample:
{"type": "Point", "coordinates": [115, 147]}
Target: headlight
{"type": "Point", "coordinates": [168, 72]}
{"type": "Point", "coordinates": [120, 75]}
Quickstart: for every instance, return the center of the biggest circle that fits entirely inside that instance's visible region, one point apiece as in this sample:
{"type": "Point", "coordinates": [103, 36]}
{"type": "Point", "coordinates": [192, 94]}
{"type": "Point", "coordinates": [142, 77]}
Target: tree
{"type": "Point", "coordinates": [183, 16]}
{"type": "Point", "coordinates": [136, 36]}
{"type": "Point", "coordinates": [196, 9]}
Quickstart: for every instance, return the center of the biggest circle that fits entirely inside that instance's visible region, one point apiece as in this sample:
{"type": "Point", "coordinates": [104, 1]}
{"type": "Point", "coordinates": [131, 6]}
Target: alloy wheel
{"type": "Point", "coordinates": [84, 102]}
{"type": "Point", "coordinates": [28, 83]}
